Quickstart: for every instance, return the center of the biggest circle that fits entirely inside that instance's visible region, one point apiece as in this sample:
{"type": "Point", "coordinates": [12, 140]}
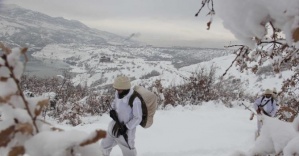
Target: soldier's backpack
{"type": "Point", "coordinates": [149, 104]}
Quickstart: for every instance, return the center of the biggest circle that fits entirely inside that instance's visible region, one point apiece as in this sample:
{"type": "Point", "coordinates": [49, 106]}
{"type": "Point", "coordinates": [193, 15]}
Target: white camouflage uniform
{"type": "Point", "coordinates": [131, 117]}
{"type": "Point", "coordinates": [270, 108]}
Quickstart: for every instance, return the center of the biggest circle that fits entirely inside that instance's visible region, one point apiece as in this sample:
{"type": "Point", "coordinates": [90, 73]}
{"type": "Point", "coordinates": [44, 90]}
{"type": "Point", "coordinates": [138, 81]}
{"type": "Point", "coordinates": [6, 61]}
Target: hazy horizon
{"type": "Point", "coordinates": [151, 21]}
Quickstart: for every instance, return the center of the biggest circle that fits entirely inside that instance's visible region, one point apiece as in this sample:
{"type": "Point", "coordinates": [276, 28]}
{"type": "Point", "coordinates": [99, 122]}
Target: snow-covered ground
{"type": "Point", "coordinates": [208, 130]}
{"type": "Point", "coordinates": [135, 62]}
{"type": "Point", "coordinates": [131, 62]}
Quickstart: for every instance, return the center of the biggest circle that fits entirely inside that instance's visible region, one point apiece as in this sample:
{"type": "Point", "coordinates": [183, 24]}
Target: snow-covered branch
{"type": "Point", "coordinates": [22, 131]}
{"type": "Point", "coordinates": [269, 31]}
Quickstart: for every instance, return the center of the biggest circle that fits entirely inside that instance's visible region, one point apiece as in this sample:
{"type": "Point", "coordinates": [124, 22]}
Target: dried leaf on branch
{"type": "Point", "coordinates": [6, 135]}
{"type": "Point", "coordinates": [99, 135]}
{"type": "Point", "coordinates": [24, 128]}
{"type": "Point", "coordinates": [296, 35]}
{"type": "Point", "coordinates": [17, 151]}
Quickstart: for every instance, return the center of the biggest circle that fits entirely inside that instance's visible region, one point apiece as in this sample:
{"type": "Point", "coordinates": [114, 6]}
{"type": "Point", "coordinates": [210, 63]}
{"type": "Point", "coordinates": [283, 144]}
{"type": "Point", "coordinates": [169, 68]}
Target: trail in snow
{"type": "Point", "coordinates": [207, 130]}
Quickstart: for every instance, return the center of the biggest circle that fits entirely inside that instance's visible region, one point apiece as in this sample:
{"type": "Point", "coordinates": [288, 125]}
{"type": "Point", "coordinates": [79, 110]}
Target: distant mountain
{"type": "Point", "coordinates": [20, 27]}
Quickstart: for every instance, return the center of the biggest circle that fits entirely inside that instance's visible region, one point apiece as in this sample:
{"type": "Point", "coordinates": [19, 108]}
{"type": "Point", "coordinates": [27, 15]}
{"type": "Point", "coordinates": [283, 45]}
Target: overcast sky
{"type": "Point", "coordinates": [158, 22]}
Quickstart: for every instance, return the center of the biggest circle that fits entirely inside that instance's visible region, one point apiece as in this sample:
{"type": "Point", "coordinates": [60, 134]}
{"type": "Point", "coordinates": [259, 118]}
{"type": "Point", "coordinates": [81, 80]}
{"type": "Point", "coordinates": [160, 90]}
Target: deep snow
{"type": "Point", "coordinates": [208, 130]}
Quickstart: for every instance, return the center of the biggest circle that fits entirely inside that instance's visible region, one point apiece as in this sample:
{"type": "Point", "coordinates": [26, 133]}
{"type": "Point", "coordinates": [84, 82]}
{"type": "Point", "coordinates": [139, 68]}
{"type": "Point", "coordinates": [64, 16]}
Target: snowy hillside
{"type": "Point", "coordinates": [97, 66]}
{"type": "Point", "coordinates": [147, 64]}
{"type": "Point", "coordinates": [20, 27]}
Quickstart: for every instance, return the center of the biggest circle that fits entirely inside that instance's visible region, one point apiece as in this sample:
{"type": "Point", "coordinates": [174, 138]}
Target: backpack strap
{"type": "Point", "coordinates": [272, 99]}
{"type": "Point", "coordinates": [143, 106]}
{"type": "Point", "coordinates": [132, 98]}
{"type": "Point", "coordinates": [262, 99]}
{"type": "Point", "coordinates": [265, 103]}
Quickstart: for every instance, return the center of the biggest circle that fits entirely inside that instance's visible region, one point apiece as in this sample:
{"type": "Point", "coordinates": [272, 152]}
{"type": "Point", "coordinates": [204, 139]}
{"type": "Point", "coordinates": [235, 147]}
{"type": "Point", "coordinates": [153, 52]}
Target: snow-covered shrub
{"type": "Point", "coordinates": [205, 86]}
{"type": "Point", "coordinates": [64, 97]}
{"type": "Point", "coordinates": [38, 85]}
{"type": "Point", "coordinates": [171, 96]}
{"type": "Point", "coordinates": [22, 130]}
{"type": "Point", "coordinates": [60, 85]}
{"type": "Point", "coordinates": [72, 113]}
{"type": "Point", "coordinates": [286, 113]}
{"type": "Point", "coordinates": [157, 88]}
{"type": "Point", "coordinates": [230, 89]}
{"type": "Point", "coordinates": [276, 138]}
{"type": "Point", "coordinates": [98, 104]}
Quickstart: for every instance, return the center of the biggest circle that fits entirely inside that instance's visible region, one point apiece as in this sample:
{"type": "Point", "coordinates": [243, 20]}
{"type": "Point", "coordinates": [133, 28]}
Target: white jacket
{"type": "Point", "coordinates": [270, 108]}
{"type": "Point", "coordinates": [130, 116]}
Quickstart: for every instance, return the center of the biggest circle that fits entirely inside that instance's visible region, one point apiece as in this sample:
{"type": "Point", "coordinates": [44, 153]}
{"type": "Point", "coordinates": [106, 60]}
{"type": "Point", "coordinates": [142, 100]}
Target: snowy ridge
{"type": "Point", "coordinates": [23, 27]}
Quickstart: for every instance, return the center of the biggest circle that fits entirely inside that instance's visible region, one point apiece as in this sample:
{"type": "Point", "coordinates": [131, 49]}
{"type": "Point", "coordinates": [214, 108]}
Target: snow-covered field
{"type": "Point", "coordinates": [208, 130]}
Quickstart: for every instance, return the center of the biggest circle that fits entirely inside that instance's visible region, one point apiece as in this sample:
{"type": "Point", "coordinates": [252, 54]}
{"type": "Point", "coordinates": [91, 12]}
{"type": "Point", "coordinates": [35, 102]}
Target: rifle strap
{"type": "Point", "coordinates": [266, 113]}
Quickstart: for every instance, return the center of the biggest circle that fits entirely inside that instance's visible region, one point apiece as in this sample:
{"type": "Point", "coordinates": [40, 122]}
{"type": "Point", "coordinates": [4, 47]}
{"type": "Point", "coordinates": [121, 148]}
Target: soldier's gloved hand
{"type": "Point", "coordinates": [123, 129]}
{"type": "Point", "coordinates": [258, 111]}
{"type": "Point", "coordinates": [119, 129]}
{"type": "Point", "coordinates": [113, 114]}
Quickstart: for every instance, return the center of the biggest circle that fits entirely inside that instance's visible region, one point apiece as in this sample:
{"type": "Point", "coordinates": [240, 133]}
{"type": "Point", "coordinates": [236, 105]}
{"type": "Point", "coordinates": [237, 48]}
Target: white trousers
{"type": "Point", "coordinates": [128, 149]}
{"type": "Point", "coordinates": [259, 123]}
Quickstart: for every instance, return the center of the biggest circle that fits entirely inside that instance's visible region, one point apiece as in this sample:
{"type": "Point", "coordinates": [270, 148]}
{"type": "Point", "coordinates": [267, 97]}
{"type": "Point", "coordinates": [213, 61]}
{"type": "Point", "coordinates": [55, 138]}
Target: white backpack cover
{"type": "Point", "coordinates": [149, 104]}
